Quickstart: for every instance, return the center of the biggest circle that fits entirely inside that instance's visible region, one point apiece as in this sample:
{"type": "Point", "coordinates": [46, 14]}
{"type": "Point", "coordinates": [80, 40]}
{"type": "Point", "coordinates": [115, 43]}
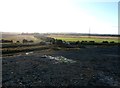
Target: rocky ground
{"type": "Point", "coordinates": [91, 66]}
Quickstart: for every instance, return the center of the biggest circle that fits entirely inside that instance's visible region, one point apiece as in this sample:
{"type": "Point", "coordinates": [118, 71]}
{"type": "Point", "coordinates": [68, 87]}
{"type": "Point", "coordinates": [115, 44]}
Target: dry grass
{"type": "Point", "coordinates": [20, 38]}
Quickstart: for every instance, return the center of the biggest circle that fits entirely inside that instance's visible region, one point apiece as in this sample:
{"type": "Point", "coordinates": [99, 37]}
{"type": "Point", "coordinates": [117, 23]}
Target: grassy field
{"type": "Point", "coordinates": [96, 39]}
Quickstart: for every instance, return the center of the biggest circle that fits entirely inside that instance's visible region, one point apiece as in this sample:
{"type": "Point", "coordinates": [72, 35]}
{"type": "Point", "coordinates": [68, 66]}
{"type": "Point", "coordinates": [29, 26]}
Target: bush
{"type": "Point", "coordinates": [83, 42]}
{"type": "Point", "coordinates": [42, 43]}
{"type": "Point", "coordinates": [31, 41]}
{"type": "Point", "coordinates": [77, 42]}
{"type": "Point", "coordinates": [112, 42]}
{"type": "Point", "coordinates": [25, 41]}
{"type": "Point", "coordinates": [106, 42]}
{"type": "Point", "coordinates": [72, 43]}
{"type": "Point", "coordinates": [59, 42]}
{"type": "Point", "coordinates": [18, 41]}
{"type": "Point", "coordinates": [6, 41]}
{"type": "Point", "coordinates": [91, 41]}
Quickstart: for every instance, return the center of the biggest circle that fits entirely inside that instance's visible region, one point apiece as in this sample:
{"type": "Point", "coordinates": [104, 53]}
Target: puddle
{"type": "Point", "coordinates": [28, 53]}
{"type": "Point", "coordinates": [59, 59]}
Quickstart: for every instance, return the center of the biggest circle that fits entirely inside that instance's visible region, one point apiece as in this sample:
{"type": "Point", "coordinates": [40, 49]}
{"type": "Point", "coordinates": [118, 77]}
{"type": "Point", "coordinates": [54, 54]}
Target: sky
{"type": "Point", "coordinates": [56, 16]}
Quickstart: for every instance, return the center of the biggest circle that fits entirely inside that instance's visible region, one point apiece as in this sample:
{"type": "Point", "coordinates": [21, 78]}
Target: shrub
{"type": "Point", "coordinates": [25, 41]}
{"type": "Point", "coordinates": [59, 42]}
{"type": "Point", "coordinates": [18, 41]}
{"type": "Point", "coordinates": [106, 42]}
{"type": "Point", "coordinates": [91, 41]}
{"type": "Point", "coordinates": [83, 42]}
{"type": "Point", "coordinates": [112, 42]}
{"type": "Point", "coordinates": [42, 43]}
{"type": "Point", "coordinates": [31, 41]}
{"type": "Point", "coordinates": [77, 42]}
{"type": "Point", "coordinates": [6, 41]}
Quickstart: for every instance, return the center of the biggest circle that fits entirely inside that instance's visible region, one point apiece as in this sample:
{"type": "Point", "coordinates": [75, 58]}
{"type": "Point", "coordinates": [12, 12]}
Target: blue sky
{"type": "Point", "coordinates": [106, 11]}
{"type": "Point", "coordinates": [59, 16]}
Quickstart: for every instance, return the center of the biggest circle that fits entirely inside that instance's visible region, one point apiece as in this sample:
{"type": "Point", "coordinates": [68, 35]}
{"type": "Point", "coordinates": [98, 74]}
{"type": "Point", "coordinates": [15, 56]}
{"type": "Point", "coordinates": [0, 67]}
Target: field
{"type": "Point", "coordinates": [34, 65]}
{"type": "Point", "coordinates": [97, 39]}
{"type": "Point", "coordinates": [18, 37]}
{"type": "Point", "coordinates": [90, 66]}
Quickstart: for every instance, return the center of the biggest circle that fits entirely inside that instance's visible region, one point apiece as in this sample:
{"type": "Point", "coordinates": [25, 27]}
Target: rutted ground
{"type": "Point", "coordinates": [92, 66]}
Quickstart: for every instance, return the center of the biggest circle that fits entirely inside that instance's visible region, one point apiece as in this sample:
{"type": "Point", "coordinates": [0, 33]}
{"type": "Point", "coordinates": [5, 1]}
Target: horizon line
{"type": "Point", "coordinates": [60, 33]}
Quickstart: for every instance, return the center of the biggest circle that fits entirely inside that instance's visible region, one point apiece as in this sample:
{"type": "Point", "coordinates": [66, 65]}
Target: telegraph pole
{"type": "Point", "coordinates": [89, 32]}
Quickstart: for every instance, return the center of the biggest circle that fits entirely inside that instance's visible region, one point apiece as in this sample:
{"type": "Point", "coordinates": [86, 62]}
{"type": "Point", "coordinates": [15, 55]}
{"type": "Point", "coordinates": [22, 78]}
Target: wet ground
{"type": "Point", "coordinates": [91, 66]}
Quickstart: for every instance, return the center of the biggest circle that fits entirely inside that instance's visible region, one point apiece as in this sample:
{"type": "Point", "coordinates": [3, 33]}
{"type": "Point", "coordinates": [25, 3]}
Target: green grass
{"type": "Point", "coordinates": [98, 40]}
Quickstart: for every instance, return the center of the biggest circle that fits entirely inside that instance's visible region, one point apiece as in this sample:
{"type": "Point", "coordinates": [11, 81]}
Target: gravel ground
{"type": "Point", "coordinates": [91, 66]}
